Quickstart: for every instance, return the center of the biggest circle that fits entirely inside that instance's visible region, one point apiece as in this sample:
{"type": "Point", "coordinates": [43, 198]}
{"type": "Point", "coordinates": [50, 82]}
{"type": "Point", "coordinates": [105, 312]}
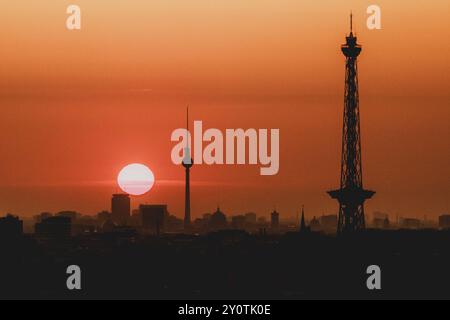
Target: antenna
{"type": "Point", "coordinates": [187, 126]}
{"type": "Point", "coordinates": [187, 117]}
{"type": "Point", "coordinates": [187, 150]}
{"type": "Point", "coordinates": [351, 22]}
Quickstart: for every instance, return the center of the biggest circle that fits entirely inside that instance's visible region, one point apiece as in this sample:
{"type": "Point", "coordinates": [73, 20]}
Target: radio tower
{"type": "Point", "coordinates": [351, 195]}
{"type": "Point", "coordinates": [187, 164]}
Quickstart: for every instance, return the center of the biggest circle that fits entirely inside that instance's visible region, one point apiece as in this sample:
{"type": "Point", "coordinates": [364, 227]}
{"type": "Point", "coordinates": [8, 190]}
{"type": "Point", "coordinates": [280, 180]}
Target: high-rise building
{"type": "Point", "coordinates": [120, 208]}
{"type": "Point", "coordinates": [275, 220]}
{"type": "Point", "coordinates": [351, 195]}
{"type": "Point", "coordinates": [153, 218]}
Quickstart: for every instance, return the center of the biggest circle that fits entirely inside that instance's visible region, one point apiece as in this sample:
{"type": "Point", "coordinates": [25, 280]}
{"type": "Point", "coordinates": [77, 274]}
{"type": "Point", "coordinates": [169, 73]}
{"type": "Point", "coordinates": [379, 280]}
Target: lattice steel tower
{"type": "Point", "coordinates": [351, 195]}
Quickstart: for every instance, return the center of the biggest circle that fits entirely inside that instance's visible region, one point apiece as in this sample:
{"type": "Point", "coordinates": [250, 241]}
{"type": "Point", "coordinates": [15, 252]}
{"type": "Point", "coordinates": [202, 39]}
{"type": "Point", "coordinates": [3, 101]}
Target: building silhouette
{"type": "Point", "coordinates": [314, 224]}
{"type": "Point", "coordinates": [54, 228]}
{"type": "Point", "coordinates": [120, 208]}
{"type": "Point", "coordinates": [69, 214]}
{"type": "Point", "coordinates": [351, 195]}
{"type": "Point", "coordinates": [444, 221]}
{"type": "Point", "coordinates": [218, 220]}
{"type": "Point", "coordinates": [329, 223]}
{"type": "Point", "coordinates": [42, 216]}
{"type": "Point", "coordinates": [251, 218]}
{"type": "Point", "coordinates": [11, 227]}
{"type": "Point", "coordinates": [238, 222]}
{"type": "Point", "coordinates": [103, 216]}
{"type": "Point", "coordinates": [411, 223]}
{"type": "Point", "coordinates": [108, 226]}
{"type": "Point", "coordinates": [303, 227]}
{"type": "Point", "coordinates": [153, 218]}
{"type": "Point", "coordinates": [275, 220]}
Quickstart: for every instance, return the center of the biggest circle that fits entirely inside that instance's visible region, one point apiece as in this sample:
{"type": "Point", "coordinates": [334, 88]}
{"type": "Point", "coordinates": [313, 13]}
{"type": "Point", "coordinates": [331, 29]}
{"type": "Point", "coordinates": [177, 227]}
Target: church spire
{"type": "Point", "coordinates": [303, 223]}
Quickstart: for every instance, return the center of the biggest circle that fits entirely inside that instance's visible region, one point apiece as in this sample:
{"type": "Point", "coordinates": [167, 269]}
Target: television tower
{"type": "Point", "coordinates": [187, 164]}
{"type": "Point", "coordinates": [351, 195]}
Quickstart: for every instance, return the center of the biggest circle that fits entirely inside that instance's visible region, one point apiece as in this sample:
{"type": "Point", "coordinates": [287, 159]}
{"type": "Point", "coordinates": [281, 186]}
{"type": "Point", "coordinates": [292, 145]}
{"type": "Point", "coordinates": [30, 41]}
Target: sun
{"type": "Point", "coordinates": [136, 179]}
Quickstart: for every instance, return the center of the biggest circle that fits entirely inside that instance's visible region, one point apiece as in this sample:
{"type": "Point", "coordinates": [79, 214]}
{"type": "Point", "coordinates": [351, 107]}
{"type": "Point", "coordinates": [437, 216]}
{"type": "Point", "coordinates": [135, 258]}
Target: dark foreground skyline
{"type": "Point", "coordinates": [149, 255]}
{"type": "Point", "coordinates": [228, 264]}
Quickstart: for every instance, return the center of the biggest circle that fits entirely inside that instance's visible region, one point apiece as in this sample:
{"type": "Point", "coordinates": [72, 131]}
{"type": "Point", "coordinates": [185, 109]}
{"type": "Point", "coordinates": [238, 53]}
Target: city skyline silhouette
{"type": "Point", "coordinates": [351, 179]}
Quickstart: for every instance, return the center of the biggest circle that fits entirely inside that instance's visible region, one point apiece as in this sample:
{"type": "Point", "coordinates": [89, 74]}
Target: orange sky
{"type": "Point", "coordinates": [78, 106]}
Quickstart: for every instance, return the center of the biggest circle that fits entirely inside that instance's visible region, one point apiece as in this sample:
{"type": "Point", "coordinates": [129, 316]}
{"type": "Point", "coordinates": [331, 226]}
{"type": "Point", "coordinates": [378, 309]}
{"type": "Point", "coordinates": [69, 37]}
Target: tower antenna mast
{"type": "Point", "coordinates": [187, 126]}
{"type": "Point", "coordinates": [351, 22]}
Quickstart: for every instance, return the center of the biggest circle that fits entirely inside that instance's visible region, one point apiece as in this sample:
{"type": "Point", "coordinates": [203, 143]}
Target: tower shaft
{"type": "Point", "coordinates": [187, 164]}
{"type": "Point", "coordinates": [187, 204]}
{"type": "Point", "coordinates": [351, 195]}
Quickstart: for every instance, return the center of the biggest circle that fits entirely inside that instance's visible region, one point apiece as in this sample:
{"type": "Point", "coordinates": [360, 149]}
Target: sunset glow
{"type": "Point", "coordinates": [124, 80]}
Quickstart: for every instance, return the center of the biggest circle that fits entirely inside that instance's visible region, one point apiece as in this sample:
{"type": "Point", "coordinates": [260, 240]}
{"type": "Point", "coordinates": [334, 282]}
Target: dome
{"type": "Point", "coordinates": [218, 219]}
